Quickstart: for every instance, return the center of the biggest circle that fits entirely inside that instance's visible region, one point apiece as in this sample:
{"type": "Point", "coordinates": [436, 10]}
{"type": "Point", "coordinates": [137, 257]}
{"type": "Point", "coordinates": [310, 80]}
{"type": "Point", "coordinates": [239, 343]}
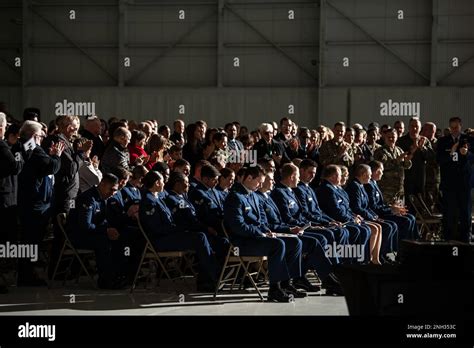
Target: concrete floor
{"type": "Point", "coordinates": [82, 300]}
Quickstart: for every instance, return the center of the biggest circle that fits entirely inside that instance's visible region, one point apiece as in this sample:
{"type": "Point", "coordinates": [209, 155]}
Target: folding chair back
{"type": "Point", "coordinates": [429, 225]}
{"type": "Point", "coordinates": [68, 251]}
{"type": "Point", "coordinates": [150, 255]}
{"type": "Point", "coordinates": [233, 260]}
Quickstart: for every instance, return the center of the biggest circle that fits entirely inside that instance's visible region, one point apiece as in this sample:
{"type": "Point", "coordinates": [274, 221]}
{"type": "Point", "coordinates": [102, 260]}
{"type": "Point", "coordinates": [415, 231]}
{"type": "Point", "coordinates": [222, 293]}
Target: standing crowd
{"type": "Point", "coordinates": [283, 191]}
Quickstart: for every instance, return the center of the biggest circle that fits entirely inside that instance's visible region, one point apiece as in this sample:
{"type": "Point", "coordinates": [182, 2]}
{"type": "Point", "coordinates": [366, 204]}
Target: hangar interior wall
{"type": "Point", "coordinates": [247, 60]}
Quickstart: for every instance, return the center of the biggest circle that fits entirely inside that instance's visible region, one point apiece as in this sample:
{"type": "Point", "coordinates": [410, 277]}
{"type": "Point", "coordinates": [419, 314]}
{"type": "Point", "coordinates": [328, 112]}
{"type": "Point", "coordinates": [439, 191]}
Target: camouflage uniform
{"type": "Point", "coordinates": [393, 177]}
{"type": "Point", "coordinates": [433, 178]}
{"type": "Point", "coordinates": [369, 151]}
{"type": "Point", "coordinates": [329, 154]}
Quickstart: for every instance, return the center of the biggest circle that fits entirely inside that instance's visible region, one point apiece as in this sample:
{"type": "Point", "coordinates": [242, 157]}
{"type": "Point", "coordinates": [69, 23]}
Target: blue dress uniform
{"type": "Point", "coordinates": [335, 203]}
{"type": "Point", "coordinates": [291, 213]}
{"type": "Point", "coordinates": [242, 218]}
{"type": "Point", "coordinates": [208, 205]}
{"type": "Point", "coordinates": [316, 258]}
{"type": "Point", "coordinates": [209, 209]}
{"type": "Point", "coordinates": [455, 186]}
{"type": "Point", "coordinates": [158, 223]}
{"type": "Point", "coordinates": [359, 204]}
{"type": "Point", "coordinates": [130, 237]}
{"type": "Point", "coordinates": [87, 228]}
{"type": "Point", "coordinates": [407, 228]}
{"type": "Point", "coordinates": [310, 210]}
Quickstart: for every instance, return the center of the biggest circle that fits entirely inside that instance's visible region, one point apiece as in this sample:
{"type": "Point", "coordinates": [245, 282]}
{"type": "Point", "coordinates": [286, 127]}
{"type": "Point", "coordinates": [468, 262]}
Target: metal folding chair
{"type": "Point", "coordinates": [429, 225]}
{"type": "Point", "coordinates": [162, 259]}
{"type": "Point", "coordinates": [70, 253]}
{"type": "Point", "coordinates": [234, 263]}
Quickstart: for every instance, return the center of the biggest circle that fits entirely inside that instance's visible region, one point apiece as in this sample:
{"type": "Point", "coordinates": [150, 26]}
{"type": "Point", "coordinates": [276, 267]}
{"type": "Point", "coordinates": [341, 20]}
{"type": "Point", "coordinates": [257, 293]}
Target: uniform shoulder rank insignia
{"type": "Point", "coordinates": [150, 212]}
{"type": "Point", "coordinates": [85, 206]}
{"type": "Point", "coordinates": [175, 210]}
{"type": "Point", "coordinates": [310, 199]}
{"type": "Point", "coordinates": [113, 202]}
{"type": "Point", "coordinates": [125, 200]}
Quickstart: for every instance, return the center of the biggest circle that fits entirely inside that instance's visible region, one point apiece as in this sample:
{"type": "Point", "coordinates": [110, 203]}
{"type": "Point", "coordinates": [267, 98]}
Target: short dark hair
{"type": "Point", "coordinates": [340, 123]}
{"type": "Point", "coordinates": [120, 132]}
{"type": "Point", "coordinates": [209, 171]}
{"type": "Point", "coordinates": [110, 178]}
{"type": "Point", "coordinates": [308, 163]}
{"type": "Point", "coordinates": [175, 148]}
{"type": "Point", "coordinates": [160, 167]}
{"type": "Point", "coordinates": [175, 177]}
{"type": "Point", "coordinates": [455, 119]}
{"type": "Point", "coordinates": [374, 165]}
{"type": "Point", "coordinates": [139, 172]}
{"type": "Point", "coordinates": [137, 136]}
{"type": "Point", "coordinates": [361, 169]}
{"type": "Point", "coordinates": [226, 172]}
{"type": "Point", "coordinates": [283, 119]}
{"type": "Point", "coordinates": [150, 178]}
{"type": "Point", "coordinates": [228, 125]}
{"type": "Point", "coordinates": [121, 173]}
{"type": "Point", "coordinates": [253, 172]}
{"type": "Point", "coordinates": [287, 170]}
{"type": "Point", "coordinates": [330, 170]}
{"type": "Point", "coordinates": [180, 163]}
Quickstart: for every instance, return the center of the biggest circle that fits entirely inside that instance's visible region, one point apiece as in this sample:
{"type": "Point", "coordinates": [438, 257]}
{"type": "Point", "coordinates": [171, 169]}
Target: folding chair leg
{"type": "Point", "coordinates": [138, 271]}
{"type": "Point", "coordinates": [252, 281]}
{"type": "Point", "coordinates": [57, 266]}
{"type": "Point", "coordinates": [236, 276]}
{"type": "Point", "coordinates": [221, 276]}
{"type": "Point", "coordinates": [85, 270]}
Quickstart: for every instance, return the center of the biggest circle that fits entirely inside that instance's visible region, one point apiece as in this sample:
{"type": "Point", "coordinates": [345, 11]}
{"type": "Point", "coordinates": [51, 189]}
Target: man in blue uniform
{"type": "Point", "coordinates": [359, 204]}
{"type": "Point", "coordinates": [243, 220]}
{"type": "Point", "coordinates": [405, 221]}
{"type": "Point", "coordinates": [186, 216]}
{"type": "Point", "coordinates": [158, 223]}
{"type": "Point", "coordinates": [309, 203]}
{"type": "Point", "coordinates": [334, 203]}
{"type": "Point", "coordinates": [88, 228]}
{"type": "Point", "coordinates": [453, 154]}
{"type": "Point", "coordinates": [122, 212]}
{"type": "Point", "coordinates": [315, 257]}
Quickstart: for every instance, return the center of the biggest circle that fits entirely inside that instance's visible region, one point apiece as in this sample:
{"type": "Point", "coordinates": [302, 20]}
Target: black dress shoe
{"type": "Point", "coordinates": [304, 283]}
{"type": "Point", "coordinates": [332, 288]}
{"type": "Point", "coordinates": [276, 294]}
{"type": "Point", "coordinates": [291, 290]}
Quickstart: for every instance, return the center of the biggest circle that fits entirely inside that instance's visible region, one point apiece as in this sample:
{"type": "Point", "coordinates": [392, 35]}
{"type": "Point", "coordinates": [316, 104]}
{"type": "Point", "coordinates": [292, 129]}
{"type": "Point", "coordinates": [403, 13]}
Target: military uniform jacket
{"type": "Point", "coordinates": [118, 205]}
{"type": "Point", "coordinates": [184, 213]}
{"type": "Point", "coordinates": [155, 217]}
{"type": "Point", "coordinates": [334, 202]}
{"type": "Point", "coordinates": [359, 200]}
{"type": "Point", "coordinates": [89, 214]}
{"type": "Point", "coordinates": [242, 214]}
{"type": "Point", "coordinates": [271, 215]}
{"type": "Point", "coordinates": [309, 204]}
{"type": "Point", "coordinates": [287, 203]}
{"type": "Point", "coordinates": [376, 202]}
{"type": "Point", "coordinates": [394, 170]}
{"type": "Point", "coordinates": [329, 154]}
{"type": "Point", "coordinates": [207, 202]}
